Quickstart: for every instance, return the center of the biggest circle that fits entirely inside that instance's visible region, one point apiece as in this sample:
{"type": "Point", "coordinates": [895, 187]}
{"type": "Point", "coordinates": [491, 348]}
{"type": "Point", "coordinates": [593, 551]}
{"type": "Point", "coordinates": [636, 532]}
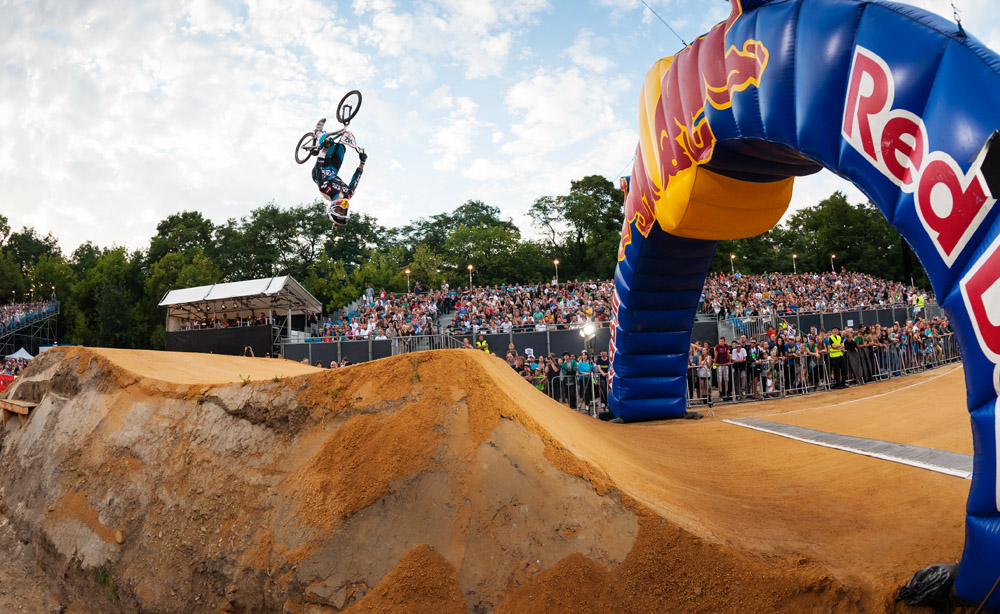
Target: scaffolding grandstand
{"type": "Point", "coordinates": [31, 329]}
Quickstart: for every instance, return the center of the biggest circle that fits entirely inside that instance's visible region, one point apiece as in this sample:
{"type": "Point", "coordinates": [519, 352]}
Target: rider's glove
{"type": "Point", "coordinates": [362, 155]}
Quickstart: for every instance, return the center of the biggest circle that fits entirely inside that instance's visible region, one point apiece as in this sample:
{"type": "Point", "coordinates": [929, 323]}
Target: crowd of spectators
{"type": "Point", "coordinates": [489, 309]}
{"type": "Point", "coordinates": [579, 381]}
{"type": "Point", "coordinates": [384, 315]}
{"type": "Point", "coordinates": [15, 314]}
{"type": "Point", "coordinates": [531, 307]}
{"type": "Point", "coordinates": [776, 293]}
{"type": "Point", "coordinates": [543, 306]}
{"type": "Point", "coordinates": [13, 366]}
{"type": "Point", "coordinates": [788, 361]}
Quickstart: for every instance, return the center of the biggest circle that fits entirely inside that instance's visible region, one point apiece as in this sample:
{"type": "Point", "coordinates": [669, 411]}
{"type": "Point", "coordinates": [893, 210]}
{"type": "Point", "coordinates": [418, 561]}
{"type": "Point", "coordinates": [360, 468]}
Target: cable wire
{"type": "Point", "coordinates": [664, 22]}
{"type": "Point", "coordinates": [619, 174]}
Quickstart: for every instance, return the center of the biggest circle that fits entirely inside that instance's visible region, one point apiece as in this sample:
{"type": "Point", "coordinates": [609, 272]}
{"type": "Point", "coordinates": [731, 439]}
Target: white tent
{"type": "Point", "coordinates": [238, 299]}
{"type": "Point", "coordinates": [21, 353]}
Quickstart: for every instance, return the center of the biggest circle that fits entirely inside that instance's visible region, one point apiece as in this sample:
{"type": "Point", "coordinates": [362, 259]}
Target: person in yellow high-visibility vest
{"type": "Point", "coordinates": [481, 344]}
{"type": "Point", "coordinates": [837, 361]}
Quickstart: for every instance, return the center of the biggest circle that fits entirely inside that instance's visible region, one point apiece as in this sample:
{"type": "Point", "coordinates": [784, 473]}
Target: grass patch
{"type": "Point", "coordinates": [107, 583]}
{"type": "Point", "coordinates": [245, 380]}
{"type": "Point", "coordinates": [200, 400]}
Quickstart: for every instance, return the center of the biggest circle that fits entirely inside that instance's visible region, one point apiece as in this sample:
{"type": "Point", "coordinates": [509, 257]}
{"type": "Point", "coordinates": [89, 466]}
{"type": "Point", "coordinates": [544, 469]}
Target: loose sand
{"type": "Point", "coordinates": [442, 482]}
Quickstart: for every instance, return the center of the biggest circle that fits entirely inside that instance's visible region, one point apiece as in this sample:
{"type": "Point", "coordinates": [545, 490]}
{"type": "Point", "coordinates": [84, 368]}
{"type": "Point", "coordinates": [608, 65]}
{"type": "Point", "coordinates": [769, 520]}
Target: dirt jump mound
{"type": "Point", "coordinates": [433, 482]}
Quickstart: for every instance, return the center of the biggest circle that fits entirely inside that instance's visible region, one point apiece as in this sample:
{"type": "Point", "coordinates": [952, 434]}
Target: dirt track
{"type": "Point", "coordinates": [442, 482]}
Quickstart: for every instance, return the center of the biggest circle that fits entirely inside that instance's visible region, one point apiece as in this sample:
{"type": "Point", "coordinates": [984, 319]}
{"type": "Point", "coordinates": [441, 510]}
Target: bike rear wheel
{"type": "Point", "coordinates": [306, 148]}
{"type": "Point", "coordinates": [349, 106]}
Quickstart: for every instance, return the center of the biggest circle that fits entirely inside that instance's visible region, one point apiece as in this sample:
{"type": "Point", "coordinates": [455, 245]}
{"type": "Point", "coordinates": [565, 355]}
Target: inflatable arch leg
{"type": "Point", "coordinates": [896, 100]}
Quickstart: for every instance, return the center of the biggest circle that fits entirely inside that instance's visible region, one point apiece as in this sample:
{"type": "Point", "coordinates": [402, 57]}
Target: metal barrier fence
{"type": "Point", "coordinates": [586, 393]}
{"type": "Point", "coordinates": [779, 377]}
{"type": "Point", "coordinates": [541, 343]}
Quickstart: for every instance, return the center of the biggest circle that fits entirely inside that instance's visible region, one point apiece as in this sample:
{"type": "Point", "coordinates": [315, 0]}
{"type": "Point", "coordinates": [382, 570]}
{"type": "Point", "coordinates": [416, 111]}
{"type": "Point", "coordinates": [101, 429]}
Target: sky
{"type": "Point", "coordinates": [115, 114]}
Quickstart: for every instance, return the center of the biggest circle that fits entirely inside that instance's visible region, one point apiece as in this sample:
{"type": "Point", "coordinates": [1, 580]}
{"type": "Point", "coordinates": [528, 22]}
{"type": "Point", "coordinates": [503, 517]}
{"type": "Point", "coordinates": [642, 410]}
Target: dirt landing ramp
{"type": "Point", "coordinates": [435, 482]}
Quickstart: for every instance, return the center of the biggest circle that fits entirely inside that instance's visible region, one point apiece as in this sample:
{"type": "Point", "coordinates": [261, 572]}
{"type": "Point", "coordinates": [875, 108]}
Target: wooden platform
{"type": "Point", "coordinates": [20, 408]}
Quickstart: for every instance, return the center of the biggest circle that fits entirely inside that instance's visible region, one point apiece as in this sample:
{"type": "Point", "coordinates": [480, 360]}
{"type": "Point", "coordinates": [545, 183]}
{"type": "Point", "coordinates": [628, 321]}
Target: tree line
{"type": "Point", "coordinates": [109, 295]}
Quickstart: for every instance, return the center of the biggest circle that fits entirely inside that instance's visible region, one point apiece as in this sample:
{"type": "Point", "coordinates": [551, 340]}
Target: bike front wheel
{"type": "Point", "coordinates": [306, 148]}
{"type": "Point", "coordinates": [349, 106]}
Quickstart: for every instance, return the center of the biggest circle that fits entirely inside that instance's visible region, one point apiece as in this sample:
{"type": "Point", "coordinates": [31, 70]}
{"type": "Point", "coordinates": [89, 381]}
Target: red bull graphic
{"type": "Point", "coordinates": [951, 204]}
{"type": "Point", "coordinates": [981, 295]}
{"type": "Point", "coordinates": [681, 130]}
{"type": "Point", "coordinates": [898, 101]}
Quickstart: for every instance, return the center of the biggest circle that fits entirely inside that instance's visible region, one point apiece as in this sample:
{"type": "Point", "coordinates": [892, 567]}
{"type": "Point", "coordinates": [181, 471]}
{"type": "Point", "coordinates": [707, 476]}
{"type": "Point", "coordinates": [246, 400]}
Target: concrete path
{"type": "Point", "coordinates": [941, 461]}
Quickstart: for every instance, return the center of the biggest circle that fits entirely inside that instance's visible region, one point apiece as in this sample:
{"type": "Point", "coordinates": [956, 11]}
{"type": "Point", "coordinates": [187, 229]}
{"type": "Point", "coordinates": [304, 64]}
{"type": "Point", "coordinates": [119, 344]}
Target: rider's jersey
{"type": "Point", "coordinates": [331, 185]}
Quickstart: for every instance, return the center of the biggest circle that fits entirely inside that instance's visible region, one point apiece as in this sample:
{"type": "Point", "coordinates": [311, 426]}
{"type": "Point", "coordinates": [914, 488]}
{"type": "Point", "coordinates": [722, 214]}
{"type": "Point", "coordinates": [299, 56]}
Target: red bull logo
{"type": "Point", "coordinates": [950, 204]}
{"type": "Point", "coordinates": [981, 294]}
{"type": "Point", "coordinates": [705, 73]}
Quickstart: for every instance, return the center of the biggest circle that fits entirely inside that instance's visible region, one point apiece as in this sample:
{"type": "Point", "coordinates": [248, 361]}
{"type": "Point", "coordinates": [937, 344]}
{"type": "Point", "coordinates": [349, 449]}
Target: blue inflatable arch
{"type": "Point", "coordinates": [898, 101]}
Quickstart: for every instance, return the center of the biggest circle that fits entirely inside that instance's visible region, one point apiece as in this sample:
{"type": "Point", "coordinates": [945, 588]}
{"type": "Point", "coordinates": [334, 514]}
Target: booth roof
{"type": "Point", "coordinates": [269, 287]}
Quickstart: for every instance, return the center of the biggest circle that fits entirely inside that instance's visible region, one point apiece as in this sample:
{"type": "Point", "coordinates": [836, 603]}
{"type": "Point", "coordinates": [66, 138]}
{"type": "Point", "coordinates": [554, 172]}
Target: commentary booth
{"type": "Point", "coordinates": [226, 318]}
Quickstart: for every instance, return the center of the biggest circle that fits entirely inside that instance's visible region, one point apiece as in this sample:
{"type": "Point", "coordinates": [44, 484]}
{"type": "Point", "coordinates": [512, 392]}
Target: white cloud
{"type": "Point", "coordinates": [582, 53]}
{"type": "Point", "coordinates": [475, 35]}
{"type": "Point", "coordinates": [454, 138]}
{"type": "Point", "coordinates": [482, 169]}
{"type": "Point", "coordinates": [560, 108]}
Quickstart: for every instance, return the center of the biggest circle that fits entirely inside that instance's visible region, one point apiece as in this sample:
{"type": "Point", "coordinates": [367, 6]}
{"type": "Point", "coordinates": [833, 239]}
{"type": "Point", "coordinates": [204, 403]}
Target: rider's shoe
{"type": "Point", "coordinates": [319, 127]}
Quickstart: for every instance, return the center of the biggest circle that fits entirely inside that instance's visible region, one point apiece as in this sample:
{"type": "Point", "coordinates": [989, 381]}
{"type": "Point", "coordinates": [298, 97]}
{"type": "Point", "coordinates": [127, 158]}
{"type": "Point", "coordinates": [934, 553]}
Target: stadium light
{"type": "Point", "coordinates": [795, 271]}
{"type": "Point", "coordinates": [732, 267]}
{"type": "Point", "coordinates": [407, 271]}
{"type": "Point", "coordinates": [470, 276]}
{"type": "Point", "coordinates": [556, 262]}
{"type": "Point", "coordinates": [588, 331]}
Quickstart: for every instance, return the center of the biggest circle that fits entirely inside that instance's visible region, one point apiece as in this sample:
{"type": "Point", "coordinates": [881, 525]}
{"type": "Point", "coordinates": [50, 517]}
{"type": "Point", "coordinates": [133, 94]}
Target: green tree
{"type": "Point", "coordinates": [26, 247]}
{"type": "Point", "coordinates": [547, 215]}
{"type": "Point", "coordinates": [425, 267]}
{"type": "Point", "coordinates": [175, 270]}
{"type": "Point", "coordinates": [329, 282]}
{"type": "Point", "coordinates": [353, 242]}
{"type": "Point", "coordinates": [4, 230]}
{"type": "Point", "coordinates": [180, 232]}
{"type": "Point", "coordinates": [582, 228]}
{"type": "Point", "coordinates": [53, 274]}
{"type": "Point", "coordinates": [13, 283]}
{"type": "Point", "coordinates": [84, 258]}
{"type": "Point", "coordinates": [113, 312]}
{"type": "Point", "coordinates": [488, 248]}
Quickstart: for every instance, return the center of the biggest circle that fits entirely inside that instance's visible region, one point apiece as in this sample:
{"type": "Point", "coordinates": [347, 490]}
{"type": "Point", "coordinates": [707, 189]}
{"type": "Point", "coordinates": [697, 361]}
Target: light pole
{"type": "Point", "coordinates": [407, 271]}
{"type": "Point", "coordinates": [470, 276]}
{"type": "Point", "coordinates": [12, 295]}
{"type": "Point", "coordinates": [556, 262]}
{"type": "Point", "coordinates": [732, 267]}
{"type": "Point", "coordinates": [795, 270]}
{"type": "Point", "coordinates": [832, 268]}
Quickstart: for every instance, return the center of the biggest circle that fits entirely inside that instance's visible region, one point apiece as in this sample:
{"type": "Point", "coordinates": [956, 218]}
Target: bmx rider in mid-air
{"type": "Point", "coordinates": [326, 174]}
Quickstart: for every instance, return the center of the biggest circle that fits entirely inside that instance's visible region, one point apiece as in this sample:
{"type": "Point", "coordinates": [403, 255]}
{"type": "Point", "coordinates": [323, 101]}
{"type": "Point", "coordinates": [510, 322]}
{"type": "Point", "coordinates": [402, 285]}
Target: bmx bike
{"type": "Point", "coordinates": [347, 108]}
